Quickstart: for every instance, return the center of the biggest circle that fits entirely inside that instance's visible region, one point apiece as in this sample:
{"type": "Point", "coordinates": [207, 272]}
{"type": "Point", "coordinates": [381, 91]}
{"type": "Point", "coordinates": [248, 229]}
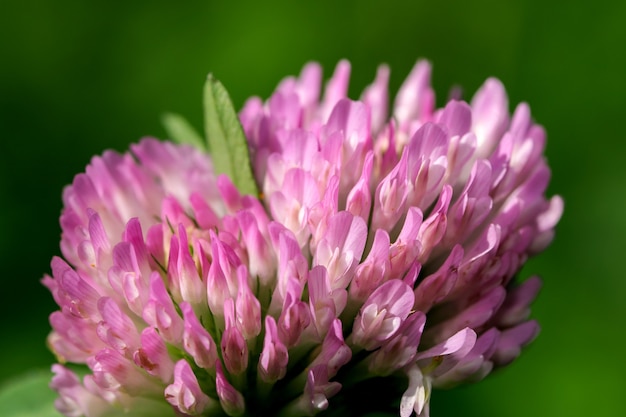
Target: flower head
{"type": "Point", "coordinates": [382, 244]}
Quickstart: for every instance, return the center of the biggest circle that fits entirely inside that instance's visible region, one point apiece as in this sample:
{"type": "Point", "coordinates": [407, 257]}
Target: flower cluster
{"type": "Point", "coordinates": [381, 246]}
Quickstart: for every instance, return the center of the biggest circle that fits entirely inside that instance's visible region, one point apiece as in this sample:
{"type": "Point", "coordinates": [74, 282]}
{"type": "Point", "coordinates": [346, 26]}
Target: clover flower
{"type": "Point", "coordinates": [381, 246]}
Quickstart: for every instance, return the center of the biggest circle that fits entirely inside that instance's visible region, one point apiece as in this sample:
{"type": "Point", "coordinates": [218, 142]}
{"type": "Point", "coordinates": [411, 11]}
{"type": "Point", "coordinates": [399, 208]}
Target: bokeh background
{"type": "Point", "coordinates": [78, 77]}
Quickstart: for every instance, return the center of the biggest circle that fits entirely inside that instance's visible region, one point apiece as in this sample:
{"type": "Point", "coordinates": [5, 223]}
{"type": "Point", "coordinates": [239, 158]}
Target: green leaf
{"type": "Point", "coordinates": [227, 142]}
{"type": "Point", "coordinates": [28, 396]}
{"type": "Point", "coordinates": [179, 129]}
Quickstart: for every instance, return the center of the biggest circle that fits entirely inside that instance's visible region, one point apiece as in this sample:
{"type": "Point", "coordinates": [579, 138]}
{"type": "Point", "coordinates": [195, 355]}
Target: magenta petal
{"type": "Point", "coordinates": [456, 117]}
{"type": "Point", "coordinates": [336, 89]}
{"type": "Point", "coordinates": [376, 97]}
{"type": "Point", "coordinates": [374, 270]}
{"type": "Point", "coordinates": [160, 312]}
{"type": "Point", "coordinates": [515, 308]}
{"type": "Point", "coordinates": [415, 99]}
{"type": "Point", "coordinates": [335, 352]}
{"type": "Point", "coordinates": [435, 287]}
{"type": "Point", "coordinates": [490, 110]}
{"type": "Point", "coordinates": [247, 306]}
{"type": "Point", "coordinates": [274, 356]}
{"type": "Point", "coordinates": [234, 347]}
{"type": "Point", "coordinates": [512, 340]}
{"type": "Point", "coordinates": [384, 242]}
{"type": "Point", "coordinates": [319, 389]}
{"type": "Point", "coordinates": [231, 400]}
{"type": "Point", "coordinates": [382, 314]}
{"type": "Point", "coordinates": [185, 394]}
{"type": "Point", "coordinates": [472, 366]}
{"type": "Point", "coordinates": [196, 339]}
{"type": "Point", "coordinates": [341, 248]}
{"type": "Point", "coordinates": [460, 342]}
{"type": "Point", "coordinates": [74, 399]}
{"type": "Point", "coordinates": [116, 329]}
{"type": "Point", "coordinates": [401, 349]}
{"type": "Point", "coordinates": [153, 355]}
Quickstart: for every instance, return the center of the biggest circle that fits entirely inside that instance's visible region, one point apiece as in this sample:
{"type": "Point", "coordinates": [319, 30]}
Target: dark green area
{"type": "Point", "coordinates": [77, 77]}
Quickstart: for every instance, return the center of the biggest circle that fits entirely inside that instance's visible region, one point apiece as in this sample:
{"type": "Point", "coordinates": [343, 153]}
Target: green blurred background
{"type": "Point", "coordinates": [77, 77]}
